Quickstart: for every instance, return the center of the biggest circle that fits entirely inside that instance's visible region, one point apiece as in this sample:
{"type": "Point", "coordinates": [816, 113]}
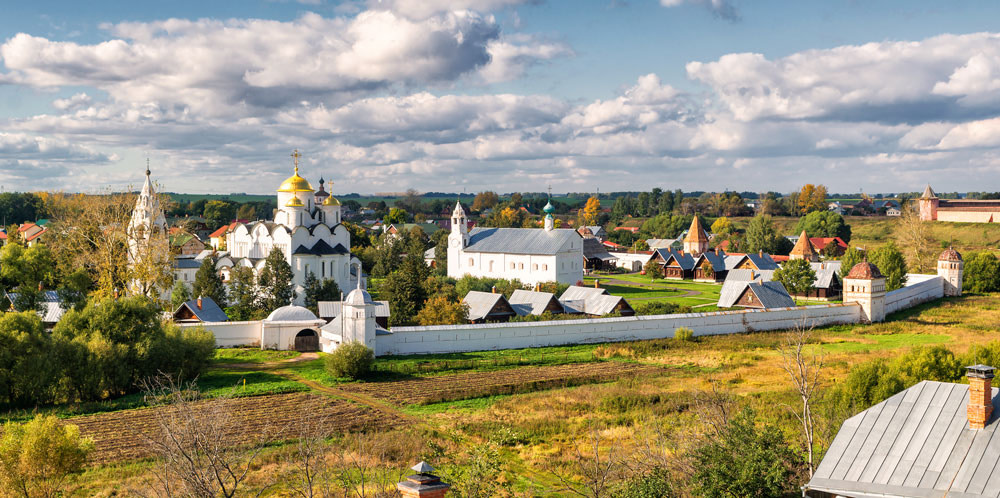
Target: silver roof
{"type": "Point", "coordinates": [602, 305]}
{"type": "Point", "coordinates": [772, 294]}
{"type": "Point", "coordinates": [736, 281]}
{"type": "Point", "coordinates": [826, 272]}
{"type": "Point", "coordinates": [481, 303]}
{"type": "Point", "coordinates": [209, 312]}
{"type": "Point", "coordinates": [589, 300]}
{"type": "Point", "coordinates": [51, 308]}
{"type": "Point", "coordinates": [522, 240]}
{"type": "Point", "coordinates": [526, 302]}
{"type": "Point", "coordinates": [331, 309]}
{"type": "Point", "coordinates": [577, 293]}
{"type": "Point", "coordinates": [916, 443]}
{"type": "Point", "coordinates": [593, 248]}
{"type": "Point", "coordinates": [661, 243]}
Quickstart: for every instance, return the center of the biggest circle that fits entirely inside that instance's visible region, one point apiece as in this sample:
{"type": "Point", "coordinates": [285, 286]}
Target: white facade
{"type": "Point", "coordinates": [307, 231]}
{"type": "Point", "coordinates": [530, 255]}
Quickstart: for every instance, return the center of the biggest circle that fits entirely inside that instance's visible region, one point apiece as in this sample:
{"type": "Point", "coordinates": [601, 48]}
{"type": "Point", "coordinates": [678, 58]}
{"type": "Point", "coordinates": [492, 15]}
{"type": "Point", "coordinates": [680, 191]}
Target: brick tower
{"type": "Point", "coordinates": [928, 204]}
{"type": "Point", "coordinates": [950, 267]}
{"type": "Point", "coordinates": [865, 285]}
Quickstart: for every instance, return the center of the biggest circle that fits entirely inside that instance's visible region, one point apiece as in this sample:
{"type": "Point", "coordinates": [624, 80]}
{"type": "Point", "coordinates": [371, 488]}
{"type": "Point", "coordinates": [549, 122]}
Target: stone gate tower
{"type": "Point", "coordinates": [865, 285]}
{"type": "Point", "coordinates": [950, 267]}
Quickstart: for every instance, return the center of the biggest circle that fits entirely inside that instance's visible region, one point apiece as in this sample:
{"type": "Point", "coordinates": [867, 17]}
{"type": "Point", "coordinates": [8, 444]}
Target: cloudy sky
{"type": "Point", "coordinates": [508, 95]}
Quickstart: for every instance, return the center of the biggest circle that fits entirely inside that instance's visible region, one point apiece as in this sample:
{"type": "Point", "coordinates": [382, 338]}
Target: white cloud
{"type": "Point", "coordinates": [886, 81]}
{"type": "Point", "coordinates": [724, 9]}
{"type": "Point", "coordinates": [511, 56]}
{"type": "Point", "coordinates": [422, 9]}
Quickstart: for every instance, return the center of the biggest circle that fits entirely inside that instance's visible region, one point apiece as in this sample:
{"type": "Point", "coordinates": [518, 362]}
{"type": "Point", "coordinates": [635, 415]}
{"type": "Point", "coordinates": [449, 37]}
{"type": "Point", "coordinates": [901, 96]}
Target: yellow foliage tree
{"type": "Point", "coordinates": [811, 198]}
{"type": "Point", "coordinates": [439, 310]}
{"type": "Point", "coordinates": [36, 457]}
{"type": "Point", "coordinates": [591, 210]}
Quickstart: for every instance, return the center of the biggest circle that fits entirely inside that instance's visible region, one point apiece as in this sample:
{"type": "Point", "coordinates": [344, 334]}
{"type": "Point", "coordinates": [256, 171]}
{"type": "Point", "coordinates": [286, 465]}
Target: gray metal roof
{"type": "Point", "coordinates": [186, 262]}
{"type": "Point", "coordinates": [51, 306]}
{"type": "Point", "coordinates": [602, 305]}
{"type": "Point", "coordinates": [662, 243]}
{"type": "Point", "coordinates": [331, 309]}
{"type": "Point", "coordinates": [526, 302]}
{"type": "Point", "coordinates": [481, 303]}
{"type": "Point", "coordinates": [578, 293]}
{"type": "Point", "coordinates": [522, 240]}
{"type": "Point", "coordinates": [209, 311]}
{"type": "Point", "coordinates": [826, 273]}
{"type": "Point", "coordinates": [593, 248]}
{"type": "Point", "coordinates": [763, 262]}
{"type": "Point", "coordinates": [916, 443]}
{"type": "Point", "coordinates": [771, 294]}
{"type": "Point", "coordinates": [732, 288]}
{"type": "Point", "coordinates": [732, 261]}
{"type": "Point", "coordinates": [589, 300]}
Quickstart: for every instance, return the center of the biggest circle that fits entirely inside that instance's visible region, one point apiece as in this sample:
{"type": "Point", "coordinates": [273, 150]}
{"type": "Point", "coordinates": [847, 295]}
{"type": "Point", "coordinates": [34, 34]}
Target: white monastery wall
{"type": "Point", "coordinates": [231, 334]}
{"type": "Point", "coordinates": [919, 289]}
{"type": "Point", "coordinates": [969, 216]}
{"type": "Point", "coordinates": [491, 336]}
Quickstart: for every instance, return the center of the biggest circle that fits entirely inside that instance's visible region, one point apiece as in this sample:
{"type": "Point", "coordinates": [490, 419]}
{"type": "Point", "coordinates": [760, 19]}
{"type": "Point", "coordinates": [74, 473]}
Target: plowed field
{"type": "Point", "coordinates": [125, 434]}
{"type": "Point", "coordinates": [516, 380]}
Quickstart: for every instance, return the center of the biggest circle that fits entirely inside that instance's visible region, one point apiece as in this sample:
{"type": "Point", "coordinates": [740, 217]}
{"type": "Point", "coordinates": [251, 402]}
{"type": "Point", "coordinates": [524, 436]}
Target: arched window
{"type": "Point", "coordinates": [470, 262]}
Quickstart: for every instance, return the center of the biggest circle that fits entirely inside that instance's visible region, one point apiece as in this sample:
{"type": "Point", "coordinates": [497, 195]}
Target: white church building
{"type": "Point", "coordinates": [306, 228]}
{"type": "Point", "coordinates": [531, 255]}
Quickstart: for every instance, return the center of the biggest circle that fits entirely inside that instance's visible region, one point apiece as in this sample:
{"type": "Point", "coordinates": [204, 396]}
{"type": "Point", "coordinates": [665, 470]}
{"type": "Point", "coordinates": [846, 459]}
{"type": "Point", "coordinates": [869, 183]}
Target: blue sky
{"type": "Point", "coordinates": [507, 95]}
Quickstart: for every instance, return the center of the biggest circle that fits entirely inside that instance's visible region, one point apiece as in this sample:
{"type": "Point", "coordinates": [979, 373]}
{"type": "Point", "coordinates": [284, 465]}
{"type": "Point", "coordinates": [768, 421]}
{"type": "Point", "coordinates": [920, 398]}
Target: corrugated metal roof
{"type": "Point", "coordinates": [481, 303]}
{"type": "Point", "coordinates": [51, 306]}
{"type": "Point", "coordinates": [602, 305]}
{"type": "Point", "coordinates": [522, 240]}
{"type": "Point", "coordinates": [771, 294]}
{"type": "Point", "coordinates": [593, 248]}
{"type": "Point", "coordinates": [718, 261]}
{"type": "Point", "coordinates": [526, 302]}
{"type": "Point", "coordinates": [331, 309]}
{"type": "Point", "coordinates": [826, 272]}
{"type": "Point", "coordinates": [579, 293]}
{"type": "Point", "coordinates": [916, 443]}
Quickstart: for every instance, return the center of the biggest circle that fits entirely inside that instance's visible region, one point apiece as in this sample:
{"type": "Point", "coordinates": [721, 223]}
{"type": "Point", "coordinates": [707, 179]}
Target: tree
{"type": "Point", "coordinates": [208, 282]}
{"type": "Point", "coordinates": [590, 212]}
{"type": "Point", "coordinates": [27, 366]}
{"type": "Point", "coordinates": [275, 281]}
{"type": "Point", "coordinates": [640, 245]}
{"type": "Point", "coordinates": [485, 200]}
{"type": "Point", "coordinates": [405, 293]}
{"type": "Point", "coordinates": [811, 198]}
{"type": "Point", "coordinates": [319, 290]}
{"type": "Point", "coordinates": [797, 276]}
{"type": "Point", "coordinates": [245, 297]}
{"type": "Point", "coordinates": [73, 291]}
{"type": "Point", "coordinates": [218, 213]}
{"type": "Point", "coordinates": [396, 215]}
{"type": "Point", "coordinates": [439, 310]}
{"type": "Point", "coordinates": [439, 240]}
{"type": "Point", "coordinates": [653, 269]}
{"type": "Point", "coordinates": [981, 273]}
{"type": "Point", "coordinates": [179, 294]}
{"type": "Point", "coordinates": [36, 457]}
{"type": "Point", "coordinates": [722, 227]}
{"type": "Point", "coordinates": [914, 235]}
{"type": "Point", "coordinates": [246, 212]}
{"type": "Point", "coordinates": [28, 266]}
{"type": "Point", "coordinates": [851, 257]}
{"type": "Point", "coordinates": [805, 372]}
{"type": "Point", "coordinates": [824, 224]}
{"type": "Point", "coordinates": [743, 459]}
{"type": "Point", "coordinates": [762, 236]}
{"type": "Point", "coordinates": [891, 264]}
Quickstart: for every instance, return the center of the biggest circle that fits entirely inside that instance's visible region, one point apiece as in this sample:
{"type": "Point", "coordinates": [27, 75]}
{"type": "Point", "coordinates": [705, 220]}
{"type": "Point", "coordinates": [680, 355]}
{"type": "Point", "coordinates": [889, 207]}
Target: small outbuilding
{"type": "Point", "coordinates": [488, 307]}
{"type": "Point", "coordinates": [203, 309]}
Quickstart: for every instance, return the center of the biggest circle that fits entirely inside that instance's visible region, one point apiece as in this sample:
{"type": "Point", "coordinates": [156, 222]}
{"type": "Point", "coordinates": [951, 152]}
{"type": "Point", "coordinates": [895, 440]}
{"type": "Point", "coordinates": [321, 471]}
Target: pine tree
{"type": "Point", "coordinates": [275, 281]}
{"type": "Point", "coordinates": [317, 290]}
{"type": "Point", "coordinates": [179, 294]}
{"type": "Point", "coordinates": [208, 283]}
{"type": "Point", "coordinates": [244, 294]}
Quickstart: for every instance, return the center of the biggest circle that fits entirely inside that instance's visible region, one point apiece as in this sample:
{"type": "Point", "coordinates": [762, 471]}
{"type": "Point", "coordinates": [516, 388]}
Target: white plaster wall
{"type": "Point", "coordinates": [231, 334]}
{"type": "Point", "coordinates": [919, 289]}
{"type": "Point", "coordinates": [462, 338]}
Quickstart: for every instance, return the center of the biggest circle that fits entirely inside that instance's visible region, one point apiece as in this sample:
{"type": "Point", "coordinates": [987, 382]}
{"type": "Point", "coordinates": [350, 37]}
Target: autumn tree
{"type": "Point", "coordinates": [38, 456]}
{"type": "Point", "coordinates": [439, 310]}
{"type": "Point", "coordinates": [722, 227]}
{"type": "Point", "coordinates": [590, 212]}
{"type": "Point", "coordinates": [485, 200]}
{"type": "Point", "coordinates": [811, 198]}
{"type": "Point", "coordinates": [913, 234]}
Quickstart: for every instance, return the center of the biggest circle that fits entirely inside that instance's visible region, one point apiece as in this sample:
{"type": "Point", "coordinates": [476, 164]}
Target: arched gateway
{"type": "Point", "coordinates": [307, 340]}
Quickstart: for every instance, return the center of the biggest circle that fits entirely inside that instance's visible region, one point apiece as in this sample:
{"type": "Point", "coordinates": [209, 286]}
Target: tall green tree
{"type": "Point", "coordinates": [317, 290]}
{"type": "Point", "coordinates": [824, 224]}
{"type": "Point", "coordinates": [892, 264]}
{"type": "Point", "coordinates": [27, 367]}
{"type": "Point", "coordinates": [244, 295]}
{"type": "Point", "coordinates": [797, 276]}
{"type": "Point", "coordinates": [851, 257]}
{"type": "Point", "coordinates": [762, 236]}
{"type": "Point", "coordinates": [275, 281]}
{"type": "Point", "coordinates": [208, 282]}
{"type": "Point", "coordinates": [982, 273]}
{"type": "Point", "coordinates": [179, 294]}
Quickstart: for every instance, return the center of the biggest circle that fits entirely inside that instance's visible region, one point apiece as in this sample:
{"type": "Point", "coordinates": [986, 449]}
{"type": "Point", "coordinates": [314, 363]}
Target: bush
{"type": "Point", "coordinates": [351, 359]}
{"type": "Point", "coordinates": [183, 353]}
{"type": "Point", "coordinates": [684, 334]}
{"type": "Point", "coordinates": [37, 456]}
{"type": "Point", "coordinates": [660, 308]}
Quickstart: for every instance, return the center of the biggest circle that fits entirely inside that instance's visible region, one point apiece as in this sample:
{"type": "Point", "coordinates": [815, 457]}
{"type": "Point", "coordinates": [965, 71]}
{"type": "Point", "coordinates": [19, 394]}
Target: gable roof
{"type": "Point", "coordinates": [916, 443]}
{"type": "Point", "coordinates": [209, 311]}
{"type": "Point", "coordinates": [821, 242]}
{"type": "Point", "coordinates": [684, 260]}
{"type": "Point", "coordinates": [521, 240]}
{"type": "Point", "coordinates": [481, 304]}
{"type": "Point", "coordinates": [579, 293]}
{"type": "Point", "coordinates": [736, 281]}
{"type": "Point", "coordinates": [331, 309]}
{"type": "Point", "coordinates": [594, 249]}
{"type": "Point", "coordinates": [762, 261]}
{"type": "Point", "coordinates": [51, 306]}
{"type": "Point", "coordinates": [827, 273]}
{"type": "Point", "coordinates": [717, 260]}
{"type": "Point", "coordinates": [526, 302]}
{"type": "Point", "coordinates": [771, 294]}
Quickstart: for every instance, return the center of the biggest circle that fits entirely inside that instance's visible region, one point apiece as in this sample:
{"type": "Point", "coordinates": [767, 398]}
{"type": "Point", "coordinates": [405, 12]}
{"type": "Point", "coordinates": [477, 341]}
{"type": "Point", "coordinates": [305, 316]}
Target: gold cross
{"type": "Point", "coordinates": [296, 155]}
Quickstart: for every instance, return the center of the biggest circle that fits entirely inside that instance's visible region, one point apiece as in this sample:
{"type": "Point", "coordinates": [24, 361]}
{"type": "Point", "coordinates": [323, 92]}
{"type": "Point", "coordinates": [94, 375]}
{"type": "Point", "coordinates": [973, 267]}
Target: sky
{"type": "Point", "coordinates": [504, 95]}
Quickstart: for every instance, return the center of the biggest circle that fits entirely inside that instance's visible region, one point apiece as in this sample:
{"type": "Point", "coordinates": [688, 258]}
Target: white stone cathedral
{"type": "Point", "coordinates": [306, 229]}
{"type": "Point", "coordinates": [146, 239]}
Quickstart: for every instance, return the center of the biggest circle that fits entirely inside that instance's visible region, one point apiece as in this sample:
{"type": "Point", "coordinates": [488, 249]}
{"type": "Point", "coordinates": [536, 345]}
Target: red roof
{"type": "Point", "coordinates": [723, 245]}
{"type": "Point", "coordinates": [778, 258]}
{"type": "Point", "coordinates": [950, 254]}
{"type": "Point", "coordinates": [628, 229]}
{"type": "Point", "coordinates": [36, 235]}
{"type": "Point", "coordinates": [613, 245]}
{"type": "Point", "coordinates": [3, 235]}
{"type": "Point", "coordinates": [821, 242]}
{"type": "Point", "coordinates": [224, 229]}
{"type": "Point", "coordinates": [25, 227]}
{"type": "Point", "coordinates": [865, 271]}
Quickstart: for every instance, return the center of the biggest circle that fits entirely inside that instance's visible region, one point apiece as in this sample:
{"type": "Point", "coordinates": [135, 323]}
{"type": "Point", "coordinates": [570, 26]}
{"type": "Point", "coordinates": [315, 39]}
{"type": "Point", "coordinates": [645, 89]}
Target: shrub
{"type": "Point", "coordinates": [184, 353]}
{"type": "Point", "coordinates": [351, 359]}
{"type": "Point", "coordinates": [660, 308]}
{"type": "Point", "coordinates": [37, 456]}
{"type": "Point", "coordinates": [684, 334]}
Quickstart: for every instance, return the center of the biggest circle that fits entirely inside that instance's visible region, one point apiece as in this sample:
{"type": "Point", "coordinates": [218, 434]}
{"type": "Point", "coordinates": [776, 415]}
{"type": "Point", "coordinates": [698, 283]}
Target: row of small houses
{"type": "Point", "coordinates": [576, 300]}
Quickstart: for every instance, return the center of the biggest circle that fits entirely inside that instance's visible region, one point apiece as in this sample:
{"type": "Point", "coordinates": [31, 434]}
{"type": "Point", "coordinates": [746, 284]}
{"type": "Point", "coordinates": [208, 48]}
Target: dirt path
{"type": "Point", "coordinates": [361, 399]}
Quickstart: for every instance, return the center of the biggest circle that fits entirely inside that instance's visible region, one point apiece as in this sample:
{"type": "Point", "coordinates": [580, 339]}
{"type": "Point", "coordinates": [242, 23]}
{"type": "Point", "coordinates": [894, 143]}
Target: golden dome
{"type": "Point", "coordinates": [295, 183]}
{"type": "Point", "coordinates": [294, 202]}
{"type": "Point", "coordinates": [331, 201]}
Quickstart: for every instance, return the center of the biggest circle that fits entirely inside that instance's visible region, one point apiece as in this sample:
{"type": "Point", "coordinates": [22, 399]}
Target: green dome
{"type": "Point", "coordinates": [548, 208]}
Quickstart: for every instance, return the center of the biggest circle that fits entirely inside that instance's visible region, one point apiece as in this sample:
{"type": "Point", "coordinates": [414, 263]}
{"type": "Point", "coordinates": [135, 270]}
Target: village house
{"type": "Point", "coordinates": [750, 289]}
{"type": "Point", "coordinates": [488, 307]}
{"type": "Point", "coordinates": [201, 309]}
{"type": "Point", "coordinates": [184, 243]}
{"type": "Point", "coordinates": [526, 302]}
{"type": "Point", "coordinates": [593, 301]}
